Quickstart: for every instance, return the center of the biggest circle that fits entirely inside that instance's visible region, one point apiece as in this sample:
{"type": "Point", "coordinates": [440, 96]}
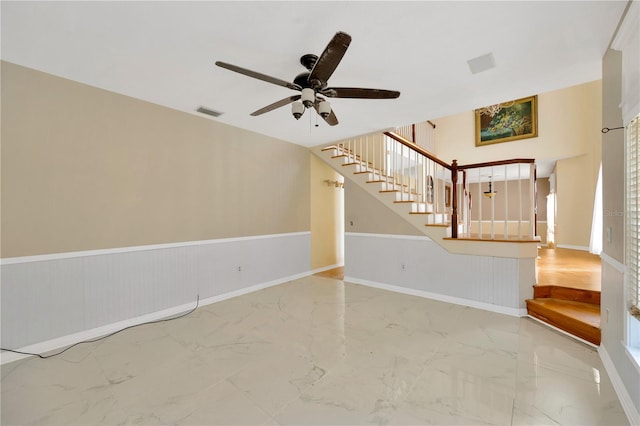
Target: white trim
{"type": "Point", "coordinates": [61, 342]}
{"type": "Point", "coordinates": [440, 297]}
{"type": "Point", "coordinates": [72, 254]}
{"type": "Point", "coordinates": [508, 221]}
{"type": "Point", "coordinates": [559, 330]}
{"type": "Point", "coordinates": [326, 268]}
{"type": "Point", "coordinates": [568, 246]}
{"type": "Point", "coordinates": [627, 41]}
{"type": "Point", "coordinates": [618, 266]}
{"type": "Point", "coordinates": [394, 236]}
{"type": "Point", "coordinates": [634, 356]}
{"type": "Point", "coordinates": [625, 399]}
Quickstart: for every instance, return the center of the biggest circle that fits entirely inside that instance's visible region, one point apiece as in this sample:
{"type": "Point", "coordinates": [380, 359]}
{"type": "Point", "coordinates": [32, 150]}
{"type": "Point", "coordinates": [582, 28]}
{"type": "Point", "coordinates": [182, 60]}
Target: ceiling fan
{"type": "Point", "coordinates": [313, 83]}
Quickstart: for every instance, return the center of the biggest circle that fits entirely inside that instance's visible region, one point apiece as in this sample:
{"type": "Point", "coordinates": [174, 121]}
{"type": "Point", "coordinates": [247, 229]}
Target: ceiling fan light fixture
{"type": "Point", "coordinates": [324, 108]}
{"type": "Point", "coordinates": [297, 109]}
{"type": "Point", "coordinates": [308, 97]}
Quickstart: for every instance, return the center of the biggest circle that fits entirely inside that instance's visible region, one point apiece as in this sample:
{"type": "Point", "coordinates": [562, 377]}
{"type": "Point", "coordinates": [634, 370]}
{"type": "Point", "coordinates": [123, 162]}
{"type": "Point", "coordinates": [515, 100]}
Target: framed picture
{"type": "Point", "coordinates": [447, 196]}
{"type": "Point", "coordinates": [512, 121]}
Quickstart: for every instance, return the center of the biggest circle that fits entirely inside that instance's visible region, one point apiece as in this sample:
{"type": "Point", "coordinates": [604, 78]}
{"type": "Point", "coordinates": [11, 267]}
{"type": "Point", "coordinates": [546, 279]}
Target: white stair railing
{"type": "Point", "coordinates": [503, 195]}
{"type": "Point", "coordinates": [403, 168]}
{"type": "Point", "coordinates": [492, 201]}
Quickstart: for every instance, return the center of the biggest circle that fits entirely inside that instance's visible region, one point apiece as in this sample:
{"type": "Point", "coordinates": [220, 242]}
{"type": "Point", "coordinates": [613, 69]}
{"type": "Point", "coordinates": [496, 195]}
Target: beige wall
{"type": "Point", "coordinates": [327, 215]}
{"type": "Point", "coordinates": [366, 214]}
{"type": "Point", "coordinates": [569, 123]}
{"type": "Point", "coordinates": [575, 188]}
{"type": "Point", "coordinates": [613, 161]}
{"type": "Point", "coordinates": [83, 168]}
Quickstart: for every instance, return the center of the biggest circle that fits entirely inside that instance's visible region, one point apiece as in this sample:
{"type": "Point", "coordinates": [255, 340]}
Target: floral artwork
{"type": "Point", "coordinates": [517, 120]}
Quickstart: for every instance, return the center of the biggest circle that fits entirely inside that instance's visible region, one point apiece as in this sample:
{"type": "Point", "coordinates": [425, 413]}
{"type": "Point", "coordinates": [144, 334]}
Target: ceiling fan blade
{"type": "Point", "coordinates": [275, 105]}
{"type": "Point", "coordinates": [330, 58]}
{"type": "Point", "coordinates": [360, 93]}
{"type": "Point", "coordinates": [331, 119]}
{"type": "Point", "coordinates": [259, 76]}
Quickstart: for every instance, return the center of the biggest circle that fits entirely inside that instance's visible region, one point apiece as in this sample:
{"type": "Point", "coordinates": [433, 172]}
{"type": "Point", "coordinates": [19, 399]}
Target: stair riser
{"type": "Point", "coordinates": [570, 325]}
{"type": "Point", "coordinates": [436, 218]}
{"type": "Point", "coordinates": [565, 293]}
{"type": "Point", "coordinates": [390, 186]}
{"type": "Point", "coordinates": [422, 208]}
{"type": "Point", "coordinates": [403, 196]}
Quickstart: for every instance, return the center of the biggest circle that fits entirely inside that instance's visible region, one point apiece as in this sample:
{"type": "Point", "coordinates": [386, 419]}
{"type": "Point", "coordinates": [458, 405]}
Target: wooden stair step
{"type": "Point", "coordinates": [576, 318]}
{"type": "Point", "coordinates": [566, 293]}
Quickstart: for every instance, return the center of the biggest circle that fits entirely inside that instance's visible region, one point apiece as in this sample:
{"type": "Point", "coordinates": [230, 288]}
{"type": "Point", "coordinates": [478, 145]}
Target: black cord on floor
{"type": "Point", "coordinates": [105, 336]}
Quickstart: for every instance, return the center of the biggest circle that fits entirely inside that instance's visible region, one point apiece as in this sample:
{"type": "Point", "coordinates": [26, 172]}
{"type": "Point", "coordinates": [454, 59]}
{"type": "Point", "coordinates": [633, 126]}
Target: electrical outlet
{"type": "Point", "coordinates": [609, 235]}
{"type": "Point", "coordinates": [239, 268]}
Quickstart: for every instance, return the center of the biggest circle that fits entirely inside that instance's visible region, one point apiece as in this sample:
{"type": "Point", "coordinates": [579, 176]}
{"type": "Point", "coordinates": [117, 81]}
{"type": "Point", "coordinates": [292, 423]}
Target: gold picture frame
{"type": "Point", "coordinates": [513, 121]}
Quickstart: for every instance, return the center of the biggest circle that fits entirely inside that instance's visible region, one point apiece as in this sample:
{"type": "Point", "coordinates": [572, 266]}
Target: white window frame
{"type": "Point", "coordinates": [632, 238]}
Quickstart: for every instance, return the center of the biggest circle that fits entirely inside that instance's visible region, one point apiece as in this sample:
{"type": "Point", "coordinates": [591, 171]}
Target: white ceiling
{"type": "Point", "coordinates": [164, 52]}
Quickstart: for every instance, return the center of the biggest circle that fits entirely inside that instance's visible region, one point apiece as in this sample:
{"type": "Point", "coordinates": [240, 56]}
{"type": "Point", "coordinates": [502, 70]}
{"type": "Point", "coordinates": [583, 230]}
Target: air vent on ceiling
{"type": "Point", "coordinates": [209, 111]}
{"type": "Point", "coordinates": [481, 63]}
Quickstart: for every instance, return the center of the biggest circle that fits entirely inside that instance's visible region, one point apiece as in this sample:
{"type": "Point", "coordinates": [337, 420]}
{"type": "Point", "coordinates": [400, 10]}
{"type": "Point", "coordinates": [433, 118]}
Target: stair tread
{"type": "Point", "coordinates": [580, 311]}
{"type": "Point", "coordinates": [566, 287]}
{"type": "Point", "coordinates": [566, 293]}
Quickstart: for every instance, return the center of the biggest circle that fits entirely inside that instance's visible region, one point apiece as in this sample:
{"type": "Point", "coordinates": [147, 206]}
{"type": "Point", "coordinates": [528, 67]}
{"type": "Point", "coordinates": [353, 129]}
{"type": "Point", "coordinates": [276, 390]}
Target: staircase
{"type": "Point", "coordinates": [568, 307]}
{"type": "Point", "coordinates": [435, 197]}
{"type": "Point", "coordinates": [403, 196]}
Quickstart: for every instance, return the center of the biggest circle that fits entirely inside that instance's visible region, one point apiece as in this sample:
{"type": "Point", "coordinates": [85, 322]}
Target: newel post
{"type": "Point", "coordinates": [454, 199]}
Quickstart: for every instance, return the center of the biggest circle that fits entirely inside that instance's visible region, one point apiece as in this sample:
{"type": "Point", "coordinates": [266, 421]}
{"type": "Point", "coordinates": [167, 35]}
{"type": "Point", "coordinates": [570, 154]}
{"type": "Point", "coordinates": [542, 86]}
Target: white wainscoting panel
{"type": "Point", "coordinates": [40, 300]}
{"type": "Point", "coordinates": [47, 297]}
{"type": "Point", "coordinates": [417, 263]}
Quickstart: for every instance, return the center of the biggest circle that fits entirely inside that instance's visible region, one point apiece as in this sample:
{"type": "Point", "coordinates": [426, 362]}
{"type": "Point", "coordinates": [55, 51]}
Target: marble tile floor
{"type": "Point", "coordinates": [324, 352]}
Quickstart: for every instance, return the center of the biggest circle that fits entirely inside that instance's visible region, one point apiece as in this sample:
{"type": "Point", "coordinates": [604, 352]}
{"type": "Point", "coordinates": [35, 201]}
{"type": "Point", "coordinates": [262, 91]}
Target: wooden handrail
{"type": "Point", "coordinates": [497, 163]}
{"type": "Point", "coordinates": [404, 141]}
{"type": "Point", "coordinates": [455, 168]}
{"type": "Point", "coordinates": [417, 148]}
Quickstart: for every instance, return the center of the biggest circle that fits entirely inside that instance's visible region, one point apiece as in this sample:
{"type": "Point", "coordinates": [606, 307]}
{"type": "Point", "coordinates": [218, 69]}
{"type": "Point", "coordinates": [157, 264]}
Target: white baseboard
{"type": "Point", "coordinates": [625, 399]}
{"type": "Point", "coordinates": [546, 324]}
{"type": "Point", "coordinates": [568, 246]}
{"type": "Point", "coordinates": [618, 266]}
{"type": "Point", "coordinates": [64, 341]}
{"type": "Point", "coordinates": [441, 298]}
{"type": "Point", "coordinates": [326, 268]}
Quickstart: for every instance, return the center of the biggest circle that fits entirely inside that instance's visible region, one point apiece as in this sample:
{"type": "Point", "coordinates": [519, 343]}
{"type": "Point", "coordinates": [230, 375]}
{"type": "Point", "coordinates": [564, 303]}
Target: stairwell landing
{"type": "Point", "coordinates": [567, 292]}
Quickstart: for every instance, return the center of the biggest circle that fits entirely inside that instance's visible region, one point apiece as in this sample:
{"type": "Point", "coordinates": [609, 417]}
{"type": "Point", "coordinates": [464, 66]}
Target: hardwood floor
{"type": "Point", "coordinates": [335, 273]}
{"type": "Point", "coordinates": [567, 292]}
{"type": "Point", "coordinates": [568, 268]}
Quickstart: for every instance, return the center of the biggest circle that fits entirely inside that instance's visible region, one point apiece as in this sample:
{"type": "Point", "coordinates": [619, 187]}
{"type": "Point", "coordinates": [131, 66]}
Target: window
{"type": "Point", "coordinates": [632, 230]}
